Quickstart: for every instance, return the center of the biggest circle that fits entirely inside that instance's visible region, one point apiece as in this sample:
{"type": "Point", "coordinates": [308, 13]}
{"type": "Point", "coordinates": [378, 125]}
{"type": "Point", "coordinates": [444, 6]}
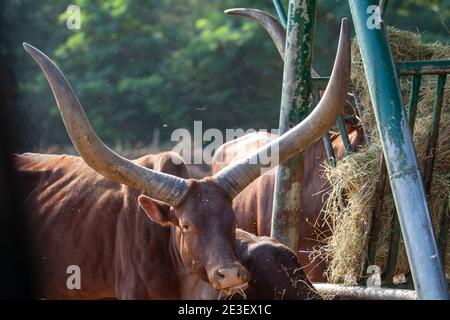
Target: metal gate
{"type": "Point", "coordinates": [398, 163]}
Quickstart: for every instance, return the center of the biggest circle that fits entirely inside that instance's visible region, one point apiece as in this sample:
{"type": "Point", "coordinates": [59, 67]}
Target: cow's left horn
{"type": "Point", "coordinates": [240, 173]}
{"type": "Point", "coordinates": [267, 21]}
{"type": "Point", "coordinates": [98, 156]}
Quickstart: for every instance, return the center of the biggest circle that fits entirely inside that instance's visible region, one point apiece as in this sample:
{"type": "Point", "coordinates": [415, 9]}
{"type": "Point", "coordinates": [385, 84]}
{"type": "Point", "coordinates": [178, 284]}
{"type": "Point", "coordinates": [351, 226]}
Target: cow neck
{"type": "Point", "coordinates": [191, 286]}
{"type": "Point", "coordinates": [175, 247]}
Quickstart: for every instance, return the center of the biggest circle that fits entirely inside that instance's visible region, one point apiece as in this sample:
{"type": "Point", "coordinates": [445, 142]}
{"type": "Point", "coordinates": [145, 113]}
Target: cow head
{"type": "Point", "coordinates": [200, 210]}
{"type": "Point", "coordinates": [205, 225]}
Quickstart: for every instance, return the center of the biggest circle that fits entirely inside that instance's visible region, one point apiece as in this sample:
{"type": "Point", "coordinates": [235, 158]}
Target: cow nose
{"type": "Point", "coordinates": [231, 276]}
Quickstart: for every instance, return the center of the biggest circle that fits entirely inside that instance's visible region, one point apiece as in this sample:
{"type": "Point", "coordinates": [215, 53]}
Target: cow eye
{"type": "Point", "coordinates": [185, 227]}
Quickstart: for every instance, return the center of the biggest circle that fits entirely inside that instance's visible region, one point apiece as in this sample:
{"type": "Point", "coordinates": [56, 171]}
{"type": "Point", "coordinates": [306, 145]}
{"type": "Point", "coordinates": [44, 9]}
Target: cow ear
{"type": "Point", "coordinates": [157, 211]}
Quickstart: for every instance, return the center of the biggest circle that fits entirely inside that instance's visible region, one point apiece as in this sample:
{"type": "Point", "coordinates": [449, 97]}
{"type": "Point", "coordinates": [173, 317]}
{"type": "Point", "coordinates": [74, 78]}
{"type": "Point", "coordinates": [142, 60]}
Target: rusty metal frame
{"type": "Point", "coordinates": [434, 288]}
{"type": "Point", "coordinates": [416, 69]}
{"type": "Point", "coordinates": [398, 149]}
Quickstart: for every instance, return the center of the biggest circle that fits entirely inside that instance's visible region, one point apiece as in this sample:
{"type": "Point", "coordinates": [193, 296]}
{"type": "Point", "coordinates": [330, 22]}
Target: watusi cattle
{"type": "Point", "coordinates": [72, 209]}
{"type": "Point", "coordinates": [192, 225]}
{"type": "Point", "coordinates": [253, 206]}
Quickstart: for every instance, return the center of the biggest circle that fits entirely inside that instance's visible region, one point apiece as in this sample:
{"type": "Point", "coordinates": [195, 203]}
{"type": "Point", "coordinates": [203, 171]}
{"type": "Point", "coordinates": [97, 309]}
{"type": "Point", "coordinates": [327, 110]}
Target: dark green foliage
{"type": "Point", "coordinates": [137, 65]}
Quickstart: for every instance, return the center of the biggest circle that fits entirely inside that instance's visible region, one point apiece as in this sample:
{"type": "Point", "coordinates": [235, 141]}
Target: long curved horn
{"type": "Point", "coordinates": [236, 176]}
{"type": "Point", "coordinates": [98, 156]}
{"type": "Point", "coordinates": [267, 21]}
{"type": "Point", "coordinates": [271, 24]}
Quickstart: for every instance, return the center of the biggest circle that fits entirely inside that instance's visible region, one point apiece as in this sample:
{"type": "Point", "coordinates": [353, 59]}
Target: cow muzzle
{"type": "Point", "coordinates": [230, 278]}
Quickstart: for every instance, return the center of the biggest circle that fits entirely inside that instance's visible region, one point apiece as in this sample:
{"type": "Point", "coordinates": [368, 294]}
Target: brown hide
{"type": "Point", "coordinates": [77, 217]}
{"type": "Point", "coordinates": [197, 214]}
{"type": "Point", "coordinates": [253, 206]}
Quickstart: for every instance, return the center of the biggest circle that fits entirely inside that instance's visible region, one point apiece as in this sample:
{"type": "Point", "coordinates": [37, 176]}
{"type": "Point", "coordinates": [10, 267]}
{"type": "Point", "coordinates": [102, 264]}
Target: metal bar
{"type": "Point", "coordinates": [409, 68]}
{"type": "Point", "coordinates": [295, 100]}
{"type": "Point", "coordinates": [394, 244]}
{"type": "Point", "coordinates": [320, 82]}
{"type": "Point", "coordinates": [413, 100]}
{"type": "Point", "coordinates": [331, 158]}
{"type": "Point", "coordinates": [364, 293]}
{"type": "Point", "coordinates": [315, 92]}
{"type": "Point", "coordinates": [359, 113]}
{"type": "Point", "coordinates": [409, 284]}
{"type": "Point", "coordinates": [377, 224]}
{"type": "Point", "coordinates": [443, 232]}
{"type": "Point", "coordinates": [383, 6]}
{"type": "Point", "coordinates": [406, 182]}
{"type": "Point", "coordinates": [281, 12]}
{"type": "Point", "coordinates": [344, 135]}
{"type": "Point", "coordinates": [434, 134]}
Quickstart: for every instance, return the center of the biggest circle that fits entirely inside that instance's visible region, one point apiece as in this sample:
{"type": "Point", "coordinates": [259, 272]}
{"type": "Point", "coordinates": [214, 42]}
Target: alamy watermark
{"type": "Point", "coordinates": [73, 21]}
{"type": "Point", "coordinates": [74, 279]}
{"type": "Point", "coordinates": [374, 280]}
{"type": "Point", "coordinates": [193, 150]}
{"type": "Point", "coordinates": [374, 21]}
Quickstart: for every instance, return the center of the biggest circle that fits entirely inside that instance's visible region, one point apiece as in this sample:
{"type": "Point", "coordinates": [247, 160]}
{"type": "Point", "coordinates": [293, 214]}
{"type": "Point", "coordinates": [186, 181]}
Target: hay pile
{"type": "Point", "coordinates": [356, 176]}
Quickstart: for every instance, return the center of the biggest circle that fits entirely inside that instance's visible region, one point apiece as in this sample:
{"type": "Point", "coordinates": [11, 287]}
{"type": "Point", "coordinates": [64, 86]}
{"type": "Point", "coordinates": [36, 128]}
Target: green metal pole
{"type": "Point", "coordinates": [281, 12]}
{"type": "Point", "coordinates": [295, 100]}
{"type": "Point", "coordinates": [398, 149]}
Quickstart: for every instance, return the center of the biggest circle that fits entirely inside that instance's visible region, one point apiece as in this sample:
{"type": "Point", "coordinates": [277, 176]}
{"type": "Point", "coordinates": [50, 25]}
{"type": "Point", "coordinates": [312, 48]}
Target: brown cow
{"type": "Point", "coordinates": [253, 206]}
{"type": "Point", "coordinates": [77, 217]}
{"type": "Point", "coordinates": [198, 213]}
{"type": "Point", "coordinates": [114, 244]}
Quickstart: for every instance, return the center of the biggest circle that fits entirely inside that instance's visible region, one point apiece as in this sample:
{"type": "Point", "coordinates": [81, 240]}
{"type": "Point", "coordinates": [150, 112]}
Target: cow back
{"type": "Point", "coordinates": [78, 218]}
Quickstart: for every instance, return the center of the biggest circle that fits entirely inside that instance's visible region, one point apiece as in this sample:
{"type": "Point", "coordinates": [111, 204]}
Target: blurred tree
{"type": "Point", "coordinates": [429, 17]}
{"type": "Point", "coordinates": [138, 65]}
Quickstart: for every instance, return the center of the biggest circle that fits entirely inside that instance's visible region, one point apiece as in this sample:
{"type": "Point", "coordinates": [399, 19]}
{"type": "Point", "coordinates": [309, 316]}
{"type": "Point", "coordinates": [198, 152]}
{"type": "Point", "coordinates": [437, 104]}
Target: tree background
{"type": "Point", "coordinates": [139, 65]}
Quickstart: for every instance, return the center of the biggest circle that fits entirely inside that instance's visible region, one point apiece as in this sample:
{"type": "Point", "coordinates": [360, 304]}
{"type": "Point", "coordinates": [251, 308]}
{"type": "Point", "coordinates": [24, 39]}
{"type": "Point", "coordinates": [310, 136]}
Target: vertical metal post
{"type": "Point", "coordinates": [295, 100]}
{"type": "Point", "coordinates": [344, 135]}
{"type": "Point", "coordinates": [434, 132]}
{"type": "Point", "coordinates": [414, 100]}
{"type": "Point", "coordinates": [398, 149]}
{"type": "Point", "coordinates": [281, 12]}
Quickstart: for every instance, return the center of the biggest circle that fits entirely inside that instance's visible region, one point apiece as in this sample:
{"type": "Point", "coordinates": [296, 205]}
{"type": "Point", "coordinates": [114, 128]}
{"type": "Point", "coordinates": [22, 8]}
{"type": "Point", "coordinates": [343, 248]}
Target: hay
{"type": "Point", "coordinates": [348, 209]}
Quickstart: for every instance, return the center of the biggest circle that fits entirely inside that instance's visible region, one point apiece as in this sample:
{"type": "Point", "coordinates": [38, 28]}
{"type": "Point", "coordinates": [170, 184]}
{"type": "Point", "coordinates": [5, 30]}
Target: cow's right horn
{"type": "Point", "coordinates": [237, 175]}
{"type": "Point", "coordinates": [98, 156]}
